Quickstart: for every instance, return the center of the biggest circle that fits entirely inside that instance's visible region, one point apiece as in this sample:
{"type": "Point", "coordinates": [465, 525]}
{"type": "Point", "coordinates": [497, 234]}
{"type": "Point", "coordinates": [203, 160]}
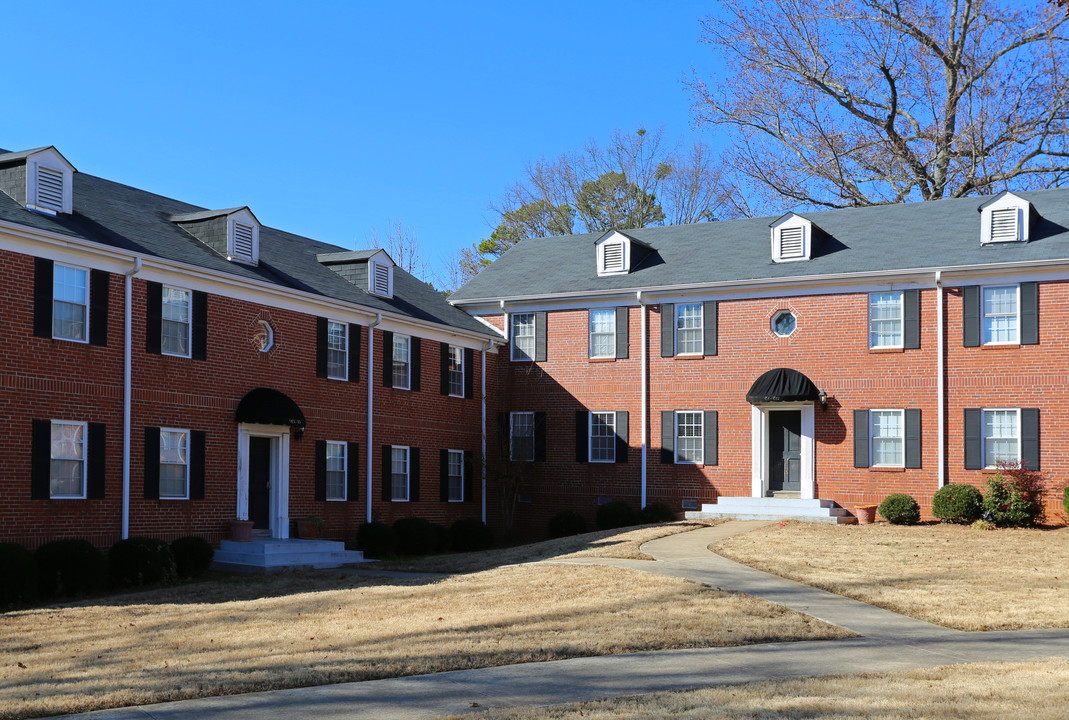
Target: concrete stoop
{"type": "Point", "coordinates": [774, 508]}
{"type": "Point", "coordinates": [264, 555]}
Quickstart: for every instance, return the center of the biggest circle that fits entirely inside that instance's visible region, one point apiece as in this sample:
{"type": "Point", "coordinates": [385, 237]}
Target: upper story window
{"type": "Point", "coordinates": [523, 336]}
{"type": "Point", "coordinates": [67, 460]}
{"type": "Point", "coordinates": [456, 371]}
{"type": "Point", "coordinates": [175, 321]}
{"type": "Point", "coordinates": [603, 437]}
{"type": "Point", "coordinates": [603, 333]}
{"type": "Point", "coordinates": [887, 438]}
{"type": "Point", "coordinates": [336, 470]}
{"type": "Point", "coordinates": [70, 302]}
{"type": "Point", "coordinates": [792, 238]}
{"type": "Point", "coordinates": [1000, 314]}
{"type": "Point", "coordinates": [885, 320]}
{"type": "Point", "coordinates": [174, 464]}
{"type": "Point", "coordinates": [689, 329]}
{"type": "Point", "coordinates": [401, 364]}
{"type": "Point", "coordinates": [689, 437]}
{"type": "Point", "coordinates": [337, 350]}
{"type": "Point", "coordinates": [1005, 218]}
{"type": "Point", "coordinates": [522, 436]}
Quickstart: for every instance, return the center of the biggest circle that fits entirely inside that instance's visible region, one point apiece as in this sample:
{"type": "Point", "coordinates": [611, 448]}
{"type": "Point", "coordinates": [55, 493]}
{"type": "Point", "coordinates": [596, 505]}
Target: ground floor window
{"type": "Point", "coordinates": [689, 437]}
{"type": "Point", "coordinates": [174, 464]}
{"type": "Point", "coordinates": [399, 465]}
{"type": "Point", "coordinates": [336, 470]}
{"type": "Point", "coordinates": [67, 460]}
{"type": "Point", "coordinates": [456, 475]}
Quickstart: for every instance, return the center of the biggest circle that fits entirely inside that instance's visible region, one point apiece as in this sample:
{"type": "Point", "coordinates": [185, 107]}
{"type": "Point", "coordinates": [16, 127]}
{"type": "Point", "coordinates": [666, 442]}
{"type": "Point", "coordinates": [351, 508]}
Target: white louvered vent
{"type": "Point", "coordinates": [1004, 225]}
{"type": "Point", "coordinates": [790, 243]}
{"type": "Point", "coordinates": [614, 258]}
{"type": "Point", "coordinates": [380, 279]}
{"type": "Point", "coordinates": [49, 189]}
{"type": "Point", "coordinates": [243, 240]}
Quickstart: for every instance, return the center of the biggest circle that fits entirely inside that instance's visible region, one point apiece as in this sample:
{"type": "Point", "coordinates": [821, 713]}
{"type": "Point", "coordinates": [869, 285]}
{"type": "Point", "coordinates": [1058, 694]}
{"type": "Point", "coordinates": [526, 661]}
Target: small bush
{"type": "Point", "coordinates": [471, 534]}
{"type": "Point", "coordinates": [656, 512]}
{"type": "Point", "coordinates": [141, 561]}
{"type": "Point", "coordinates": [900, 509]}
{"type": "Point", "coordinates": [616, 514]}
{"type": "Point", "coordinates": [443, 538]}
{"type": "Point", "coordinates": [1013, 496]}
{"type": "Point", "coordinates": [415, 536]}
{"type": "Point", "coordinates": [18, 575]}
{"type": "Point", "coordinates": [69, 567]}
{"type": "Point", "coordinates": [192, 555]}
{"type": "Point", "coordinates": [961, 504]}
{"type": "Point", "coordinates": [566, 523]}
{"type": "Point", "coordinates": [376, 540]}
{"type": "Point", "coordinates": [1065, 502]}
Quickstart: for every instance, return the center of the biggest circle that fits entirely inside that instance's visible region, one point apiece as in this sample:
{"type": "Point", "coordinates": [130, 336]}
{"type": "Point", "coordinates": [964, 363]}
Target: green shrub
{"type": "Point", "coordinates": [616, 514]}
{"type": "Point", "coordinates": [18, 575]}
{"type": "Point", "coordinates": [192, 556]}
{"type": "Point", "coordinates": [376, 540]}
{"type": "Point", "coordinates": [1013, 496]}
{"type": "Point", "coordinates": [470, 534]}
{"type": "Point", "coordinates": [900, 509]}
{"type": "Point", "coordinates": [566, 523]}
{"type": "Point", "coordinates": [1065, 502]}
{"type": "Point", "coordinates": [415, 536]}
{"type": "Point", "coordinates": [69, 567]}
{"type": "Point", "coordinates": [656, 512]}
{"type": "Point", "coordinates": [141, 561]}
{"type": "Point", "coordinates": [960, 504]}
{"type": "Point", "coordinates": [443, 539]}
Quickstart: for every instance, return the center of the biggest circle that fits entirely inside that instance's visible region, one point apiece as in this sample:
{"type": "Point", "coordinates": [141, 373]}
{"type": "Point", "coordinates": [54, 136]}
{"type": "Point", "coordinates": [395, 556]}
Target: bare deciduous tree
{"type": "Point", "coordinates": [840, 103]}
{"type": "Point", "coordinates": [401, 244]}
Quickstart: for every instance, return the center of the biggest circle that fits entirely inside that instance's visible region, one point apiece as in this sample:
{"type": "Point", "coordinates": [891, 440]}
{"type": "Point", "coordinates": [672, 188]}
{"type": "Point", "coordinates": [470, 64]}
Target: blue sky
{"type": "Point", "coordinates": [330, 119]}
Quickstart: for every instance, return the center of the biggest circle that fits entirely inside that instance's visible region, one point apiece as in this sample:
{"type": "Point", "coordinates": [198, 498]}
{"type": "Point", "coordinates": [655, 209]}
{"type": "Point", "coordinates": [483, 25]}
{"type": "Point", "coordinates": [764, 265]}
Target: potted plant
{"type": "Point", "coordinates": [866, 514]}
{"type": "Point", "coordinates": [310, 527]}
{"type": "Point", "coordinates": [241, 530]}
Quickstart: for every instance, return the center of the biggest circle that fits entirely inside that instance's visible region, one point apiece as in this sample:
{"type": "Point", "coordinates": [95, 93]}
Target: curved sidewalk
{"type": "Point", "coordinates": [889, 643]}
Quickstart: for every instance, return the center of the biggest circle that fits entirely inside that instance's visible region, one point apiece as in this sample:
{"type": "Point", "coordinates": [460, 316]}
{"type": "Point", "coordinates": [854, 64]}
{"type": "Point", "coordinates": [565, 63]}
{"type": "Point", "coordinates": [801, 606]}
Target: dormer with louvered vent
{"type": "Point", "coordinates": [617, 253]}
{"type": "Point", "coordinates": [233, 233]}
{"type": "Point", "coordinates": [371, 270]}
{"type": "Point", "coordinates": [792, 238]}
{"type": "Point", "coordinates": [40, 180]}
{"type": "Point", "coordinates": [1004, 218]}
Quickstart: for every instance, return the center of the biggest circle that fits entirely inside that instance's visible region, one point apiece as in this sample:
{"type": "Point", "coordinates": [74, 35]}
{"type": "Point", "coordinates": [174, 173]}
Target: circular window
{"type": "Point", "coordinates": [783, 323]}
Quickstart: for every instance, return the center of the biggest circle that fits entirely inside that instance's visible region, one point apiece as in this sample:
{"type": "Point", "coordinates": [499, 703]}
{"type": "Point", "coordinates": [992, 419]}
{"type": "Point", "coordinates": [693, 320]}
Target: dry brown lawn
{"type": "Point", "coordinates": [243, 634]}
{"type": "Point", "coordinates": [1037, 690]}
{"type": "Point", "coordinates": [947, 574]}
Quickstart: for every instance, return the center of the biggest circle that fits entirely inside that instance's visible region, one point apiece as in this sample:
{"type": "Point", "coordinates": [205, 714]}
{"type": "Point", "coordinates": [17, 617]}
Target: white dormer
{"type": "Point", "coordinates": [792, 238]}
{"type": "Point", "coordinates": [380, 274]}
{"type": "Point", "coordinates": [243, 237]}
{"type": "Point", "coordinates": [49, 182]}
{"type": "Point", "coordinates": [617, 253]}
{"type": "Point", "coordinates": [1004, 218]}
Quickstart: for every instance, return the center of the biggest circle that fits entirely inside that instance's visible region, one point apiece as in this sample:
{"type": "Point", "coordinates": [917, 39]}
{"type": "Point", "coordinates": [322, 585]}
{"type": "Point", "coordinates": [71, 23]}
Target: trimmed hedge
{"type": "Point", "coordinates": [192, 556]}
{"type": "Point", "coordinates": [566, 523]}
{"type": "Point", "coordinates": [18, 575]}
{"type": "Point", "coordinates": [69, 567]}
{"type": "Point", "coordinates": [900, 509]}
{"type": "Point", "coordinates": [656, 512]}
{"type": "Point", "coordinates": [471, 534]}
{"type": "Point", "coordinates": [141, 561]}
{"type": "Point", "coordinates": [443, 539]}
{"type": "Point", "coordinates": [415, 536]}
{"type": "Point", "coordinates": [1065, 502]}
{"type": "Point", "coordinates": [961, 504]}
{"type": "Point", "coordinates": [616, 514]}
{"type": "Point", "coordinates": [376, 540]}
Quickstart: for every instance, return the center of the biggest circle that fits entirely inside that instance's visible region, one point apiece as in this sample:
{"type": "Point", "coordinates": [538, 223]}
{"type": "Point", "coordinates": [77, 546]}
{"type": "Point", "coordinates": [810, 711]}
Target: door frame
{"type": "Point", "coordinates": [760, 448]}
{"type": "Point", "coordinates": [278, 516]}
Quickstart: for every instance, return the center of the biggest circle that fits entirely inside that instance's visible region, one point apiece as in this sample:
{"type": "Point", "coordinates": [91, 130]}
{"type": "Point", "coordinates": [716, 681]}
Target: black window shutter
{"type": "Point", "coordinates": [41, 458]}
{"type": "Point", "coordinates": [469, 373]}
{"type": "Point", "coordinates": [970, 316]}
{"type": "Point", "coordinates": [1029, 313]}
{"type": "Point", "coordinates": [1030, 438]}
{"type": "Point", "coordinates": [974, 459]}
{"type": "Point", "coordinates": [99, 295]}
{"type": "Point", "coordinates": [197, 444]}
{"type": "Point", "coordinates": [352, 470]}
{"type": "Point", "coordinates": [668, 330]}
{"type": "Point", "coordinates": [387, 474]}
{"type": "Point", "coordinates": [913, 437]}
{"type": "Point", "coordinates": [354, 352]}
{"type": "Point", "coordinates": [322, 332]}
{"type": "Point", "coordinates": [911, 322]}
{"type": "Point", "coordinates": [42, 302]}
{"type": "Point", "coordinates": [540, 337]}
{"type": "Point", "coordinates": [668, 436]}
{"type": "Point", "coordinates": [320, 481]}
{"type": "Point", "coordinates": [152, 463]}
{"type": "Point", "coordinates": [200, 325]}
{"type": "Point", "coordinates": [443, 475]}
{"type": "Point", "coordinates": [540, 436]}
{"type": "Point", "coordinates": [413, 474]}
{"type": "Point", "coordinates": [623, 437]}
{"type": "Point", "coordinates": [709, 318]}
{"type": "Point", "coordinates": [504, 435]}
{"type": "Point", "coordinates": [469, 477]}
{"type": "Point", "coordinates": [95, 461]}
{"type": "Point", "coordinates": [153, 317]}
{"type": "Point", "coordinates": [622, 333]}
{"type": "Point", "coordinates": [415, 364]}
{"type": "Point", "coordinates": [387, 358]}
{"type": "Point", "coordinates": [582, 436]}
{"type": "Point", "coordinates": [710, 438]}
{"type": "Point", "coordinates": [444, 389]}
{"type": "Point", "coordinates": [861, 439]}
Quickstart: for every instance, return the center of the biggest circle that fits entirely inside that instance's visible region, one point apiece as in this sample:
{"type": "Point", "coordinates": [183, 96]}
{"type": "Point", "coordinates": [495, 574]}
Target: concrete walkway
{"type": "Point", "coordinates": [889, 643]}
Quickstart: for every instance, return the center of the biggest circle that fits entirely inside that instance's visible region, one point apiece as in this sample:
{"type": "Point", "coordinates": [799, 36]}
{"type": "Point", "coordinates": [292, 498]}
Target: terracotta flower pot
{"type": "Point", "coordinates": [866, 514]}
{"type": "Point", "coordinates": [307, 530]}
{"type": "Point", "coordinates": [241, 530]}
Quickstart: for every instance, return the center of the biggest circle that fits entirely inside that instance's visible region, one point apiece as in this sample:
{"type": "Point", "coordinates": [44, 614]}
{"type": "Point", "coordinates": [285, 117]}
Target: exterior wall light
{"type": "Point", "coordinates": [823, 397]}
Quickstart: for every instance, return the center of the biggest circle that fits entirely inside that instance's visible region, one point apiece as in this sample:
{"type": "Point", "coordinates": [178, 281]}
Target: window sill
{"type": "Point", "coordinates": [887, 469]}
{"type": "Point", "coordinates": [688, 357]}
{"type": "Point", "coordinates": [881, 351]}
{"type": "Point", "coordinates": [601, 359]}
{"type": "Point", "coordinates": [1001, 346]}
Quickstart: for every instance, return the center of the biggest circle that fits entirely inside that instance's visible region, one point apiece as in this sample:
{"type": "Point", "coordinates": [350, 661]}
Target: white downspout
{"type": "Point", "coordinates": [370, 405]}
{"type": "Point", "coordinates": [482, 396]}
{"type": "Point", "coordinates": [643, 391]}
{"type": "Point", "coordinates": [940, 388]}
{"type": "Point", "coordinates": [127, 383]}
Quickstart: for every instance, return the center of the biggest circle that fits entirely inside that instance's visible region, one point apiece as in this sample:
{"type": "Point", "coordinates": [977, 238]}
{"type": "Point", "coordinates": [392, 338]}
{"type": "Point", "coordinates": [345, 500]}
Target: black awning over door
{"type": "Point", "coordinates": [266, 406]}
{"type": "Point", "coordinates": [782, 385]}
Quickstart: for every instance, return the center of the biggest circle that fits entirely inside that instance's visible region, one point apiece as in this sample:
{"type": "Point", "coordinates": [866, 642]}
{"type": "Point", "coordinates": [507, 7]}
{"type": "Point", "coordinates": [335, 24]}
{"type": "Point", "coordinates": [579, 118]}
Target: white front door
{"type": "Point", "coordinates": [761, 447]}
{"type": "Point", "coordinates": [263, 477]}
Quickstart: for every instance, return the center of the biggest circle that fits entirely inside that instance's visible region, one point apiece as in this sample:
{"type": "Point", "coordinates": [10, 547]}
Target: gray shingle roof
{"type": "Point", "coordinates": [938, 234]}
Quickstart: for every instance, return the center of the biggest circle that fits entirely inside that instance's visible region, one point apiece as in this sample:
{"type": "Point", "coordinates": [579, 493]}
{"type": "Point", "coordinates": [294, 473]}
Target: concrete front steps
{"type": "Point", "coordinates": [774, 508]}
{"type": "Point", "coordinates": [264, 555]}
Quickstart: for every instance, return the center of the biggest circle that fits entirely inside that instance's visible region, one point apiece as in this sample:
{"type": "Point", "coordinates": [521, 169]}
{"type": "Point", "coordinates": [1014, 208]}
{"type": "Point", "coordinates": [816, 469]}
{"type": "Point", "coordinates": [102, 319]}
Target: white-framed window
{"type": "Point", "coordinates": [67, 459]}
{"type": "Point", "coordinates": [456, 475]}
{"type": "Point", "coordinates": [888, 438]}
{"type": "Point", "coordinates": [1002, 435]}
{"type": "Point", "coordinates": [337, 465]}
{"type": "Point", "coordinates": [399, 473]}
{"type": "Point", "coordinates": [337, 350]}
{"type": "Point", "coordinates": [174, 464]}
{"type": "Point", "coordinates": [602, 437]}
{"type": "Point", "coordinates": [689, 329]}
{"type": "Point", "coordinates": [523, 336]}
{"type": "Point", "coordinates": [402, 345]}
{"type": "Point", "coordinates": [1001, 314]}
{"type": "Point", "coordinates": [886, 315]}
{"type": "Point", "coordinates": [603, 333]}
{"type": "Point", "coordinates": [784, 323]}
{"type": "Point", "coordinates": [690, 437]}
{"type": "Point", "coordinates": [456, 371]}
{"type": "Point", "coordinates": [522, 436]}
{"type": "Point", "coordinates": [70, 303]}
{"type": "Point", "coordinates": [175, 325]}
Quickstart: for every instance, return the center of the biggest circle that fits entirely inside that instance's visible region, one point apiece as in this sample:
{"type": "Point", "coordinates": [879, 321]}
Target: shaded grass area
{"type": "Point", "coordinates": [1038, 690]}
{"type": "Point", "coordinates": [955, 576]}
